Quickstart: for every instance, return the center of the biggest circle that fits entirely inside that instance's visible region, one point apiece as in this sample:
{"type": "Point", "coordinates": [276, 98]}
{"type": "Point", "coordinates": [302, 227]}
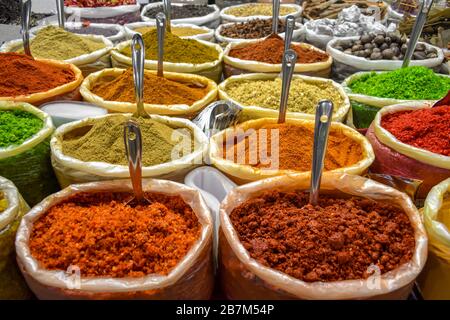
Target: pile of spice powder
{"type": "Point", "coordinates": [97, 3]}
{"type": "Point", "coordinates": [181, 12]}
{"type": "Point", "coordinates": [3, 202]}
{"type": "Point", "coordinates": [104, 237]}
{"type": "Point", "coordinates": [271, 50]}
{"type": "Point", "coordinates": [22, 75]}
{"type": "Point", "coordinates": [16, 126]}
{"type": "Point", "coordinates": [252, 29]}
{"type": "Point", "coordinates": [56, 43]}
{"type": "Point", "coordinates": [412, 83]}
{"type": "Point", "coordinates": [157, 90]}
{"type": "Point", "coordinates": [338, 239]}
{"type": "Point", "coordinates": [427, 129]}
{"type": "Point", "coordinates": [295, 147]}
{"type": "Point", "coordinates": [260, 9]}
{"type": "Point", "coordinates": [103, 141]}
{"type": "Point", "coordinates": [176, 49]}
{"type": "Point", "coordinates": [303, 96]}
{"type": "Point", "coordinates": [178, 31]}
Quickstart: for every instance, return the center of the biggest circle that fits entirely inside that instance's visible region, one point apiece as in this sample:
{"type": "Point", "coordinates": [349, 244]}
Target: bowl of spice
{"type": "Point", "coordinates": [157, 250]}
{"type": "Point", "coordinates": [175, 94]}
{"type": "Point", "coordinates": [266, 56]}
{"type": "Point", "coordinates": [362, 240]}
{"type": "Point", "coordinates": [183, 30]}
{"type": "Point", "coordinates": [88, 52]}
{"type": "Point", "coordinates": [262, 148]}
{"type": "Point", "coordinates": [180, 55]}
{"type": "Point", "coordinates": [24, 150]}
{"type": "Point", "coordinates": [12, 208]}
{"type": "Point", "coordinates": [198, 14]}
{"type": "Point", "coordinates": [24, 79]}
{"type": "Point", "coordinates": [370, 91]}
{"type": "Point", "coordinates": [411, 140]}
{"type": "Point", "coordinates": [92, 149]}
{"type": "Point", "coordinates": [247, 11]}
{"type": "Point", "coordinates": [259, 95]}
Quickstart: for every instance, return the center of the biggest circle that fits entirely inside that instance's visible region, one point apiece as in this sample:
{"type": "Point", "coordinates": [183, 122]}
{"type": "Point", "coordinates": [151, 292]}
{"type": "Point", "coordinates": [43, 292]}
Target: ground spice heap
{"type": "Point", "coordinates": [412, 83]}
{"type": "Point", "coordinates": [22, 75]}
{"type": "Point", "coordinates": [182, 12]}
{"type": "Point", "coordinates": [260, 9]}
{"type": "Point", "coordinates": [271, 50]}
{"type": "Point", "coordinates": [16, 126]}
{"type": "Point", "coordinates": [178, 31]}
{"type": "Point", "coordinates": [157, 90]}
{"type": "Point", "coordinates": [253, 29]}
{"type": "Point", "coordinates": [295, 147]}
{"type": "Point", "coordinates": [3, 202]}
{"type": "Point", "coordinates": [53, 42]}
{"type": "Point", "coordinates": [427, 129]}
{"type": "Point", "coordinates": [336, 240]}
{"type": "Point", "coordinates": [103, 141]}
{"type": "Point", "coordinates": [303, 96]}
{"type": "Point", "coordinates": [104, 237]}
{"type": "Point", "coordinates": [97, 3]}
{"type": "Point", "coordinates": [176, 49]}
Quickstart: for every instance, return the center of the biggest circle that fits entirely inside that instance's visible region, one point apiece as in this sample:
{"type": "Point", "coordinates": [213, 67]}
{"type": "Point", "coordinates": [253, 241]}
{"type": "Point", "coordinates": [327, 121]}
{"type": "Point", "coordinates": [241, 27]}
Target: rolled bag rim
{"type": "Point", "coordinates": [232, 18]}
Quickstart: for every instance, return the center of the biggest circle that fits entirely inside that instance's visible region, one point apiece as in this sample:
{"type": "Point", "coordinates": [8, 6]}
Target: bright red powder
{"type": "Point", "coordinates": [427, 129]}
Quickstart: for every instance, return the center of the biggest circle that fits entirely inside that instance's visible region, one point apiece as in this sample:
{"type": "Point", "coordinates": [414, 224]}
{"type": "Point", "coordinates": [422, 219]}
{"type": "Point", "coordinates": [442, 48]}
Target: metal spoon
{"type": "Point", "coordinates": [167, 11]}
{"type": "Point", "coordinates": [26, 14]}
{"type": "Point", "coordinates": [138, 58]}
{"type": "Point", "coordinates": [324, 113]}
{"type": "Point", "coordinates": [133, 148]}
{"type": "Point", "coordinates": [60, 11]}
{"type": "Point", "coordinates": [287, 70]}
{"type": "Point", "coordinates": [275, 14]}
{"type": "Point", "coordinates": [161, 28]}
{"type": "Point", "coordinates": [290, 23]}
{"type": "Point", "coordinates": [421, 18]}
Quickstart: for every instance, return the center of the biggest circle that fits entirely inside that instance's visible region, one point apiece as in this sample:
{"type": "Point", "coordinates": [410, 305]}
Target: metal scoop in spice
{"type": "Point", "coordinates": [324, 114]}
{"type": "Point", "coordinates": [60, 13]}
{"type": "Point", "coordinates": [287, 70]}
{"type": "Point", "coordinates": [161, 30]}
{"type": "Point", "coordinates": [275, 14]}
{"type": "Point", "coordinates": [138, 58]}
{"type": "Point", "coordinates": [167, 11]}
{"type": "Point", "coordinates": [25, 31]}
{"type": "Point", "coordinates": [290, 24]}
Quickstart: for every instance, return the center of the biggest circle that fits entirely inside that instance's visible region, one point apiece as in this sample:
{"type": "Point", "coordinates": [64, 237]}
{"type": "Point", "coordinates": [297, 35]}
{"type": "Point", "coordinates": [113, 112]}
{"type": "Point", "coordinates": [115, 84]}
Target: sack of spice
{"type": "Point", "coordinates": [261, 148]}
{"type": "Point", "coordinates": [25, 150]}
{"type": "Point", "coordinates": [266, 56]}
{"type": "Point", "coordinates": [198, 14]}
{"type": "Point", "coordinates": [117, 250]}
{"type": "Point", "coordinates": [23, 79]}
{"type": "Point", "coordinates": [363, 240]}
{"type": "Point", "coordinates": [89, 53]}
{"type": "Point", "coordinates": [120, 14]}
{"type": "Point", "coordinates": [182, 30]}
{"type": "Point", "coordinates": [370, 91]}
{"type": "Point", "coordinates": [12, 208]}
{"type": "Point", "coordinates": [434, 281]}
{"type": "Point", "coordinates": [259, 95]}
{"type": "Point", "coordinates": [180, 55]}
{"type": "Point", "coordinates": [176, 94]}
{"type": "Point", "coordinates": [93, 149]}
{"type": "Point", "coordinates": [248, 11]}
{"type": "Point", "coordinates": [411, 140]}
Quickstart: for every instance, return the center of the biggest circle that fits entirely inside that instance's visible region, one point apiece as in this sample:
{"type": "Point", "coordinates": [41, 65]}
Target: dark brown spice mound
{"type": "Point", "coordinates": [104, 237]}
{"type": "Point", "coordinates": [336, 240]}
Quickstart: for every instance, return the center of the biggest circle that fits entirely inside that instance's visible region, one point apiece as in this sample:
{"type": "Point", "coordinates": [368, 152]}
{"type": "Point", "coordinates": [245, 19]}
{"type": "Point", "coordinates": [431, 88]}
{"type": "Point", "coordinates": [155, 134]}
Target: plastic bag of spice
{"type": "Point", "coordinates": [394, 157]}
{"type": "Point", "coordinates": [180, 110]}
{"type": "Point", "coordinates": [70, 170]}
{"type": "Point", "coordinates": [356, 147]}
{"type": "Point", "coordinates": [235, 66]}
{"type": "Point", "coordinates": [248, 11]}
{"type": "Point", "coordinates": [12, 284]}
{"type": "Point", "coordinates": [111, 15]}
{"type": "Point", "coordinates": [183, 30]}
{"type": "Point", "coordinates": [28, 165]}
{"type": "Point", "coordinates": [245, 278]}
{"type": "Point", "coordinates": [434, 281]}
{"type": "Point", "coordinates": [191, 278]}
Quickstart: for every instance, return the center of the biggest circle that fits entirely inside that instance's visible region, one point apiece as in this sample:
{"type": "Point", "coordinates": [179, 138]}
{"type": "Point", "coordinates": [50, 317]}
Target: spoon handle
{"type": "Point", "coordinates": [275, 14]}
{"type": "Point", "coordinates": [26, 14]}
{"type": "Point", "coordinates": [133, 148]}
{"type": "Point", "coordinates": [161, 28]}
{"type": "Point", "coordinates": [287, 70]}
{"type": "Point", "coordinates": [167, 11]}
{"type": "Point", "coordinates": [290, 23]}
{"type": "Point", "coordinates": [60, 11]}
{"type": "Point", "coordinates": [138, 58]}
{"type": "Point", "coordinates": [324, 114]}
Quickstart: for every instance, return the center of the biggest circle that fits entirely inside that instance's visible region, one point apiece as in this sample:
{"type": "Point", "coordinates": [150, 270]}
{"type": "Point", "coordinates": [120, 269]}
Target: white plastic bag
{"type": "Point", "coordinates": [245, 278]}
{"type": "Point", "coordinates": [319, 40]}
{"type": "Point", "coordinates": [70, 170]}
{"type": "Point", "coordinates": [207, 35]}
{"type": "Point", "coordinates": [192, 278]}
{"type": "Point", "coordinates": [114, 15]}
{"type": "Point", "coordinates": [226, 18]}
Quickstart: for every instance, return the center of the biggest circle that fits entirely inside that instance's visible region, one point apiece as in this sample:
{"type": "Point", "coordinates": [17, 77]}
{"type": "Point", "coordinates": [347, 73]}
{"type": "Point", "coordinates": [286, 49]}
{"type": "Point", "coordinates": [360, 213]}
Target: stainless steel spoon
{"type": "Point", "coordinates": [287, 70]}
{"type": "Point", "coordinates": [161, 28]}
{"type": "Point", "coordinates": [60, 12]}
{"type": "Point", "coordinates": [25, 31]}
{"type": "Point", "coordinates": [290, 23]}
{"type": "Point", "coordinates": [167, 11]}
{"type": "Point", "coordinates": [138, 58]}
{"type": "Point", "coordinates": [275, 14]}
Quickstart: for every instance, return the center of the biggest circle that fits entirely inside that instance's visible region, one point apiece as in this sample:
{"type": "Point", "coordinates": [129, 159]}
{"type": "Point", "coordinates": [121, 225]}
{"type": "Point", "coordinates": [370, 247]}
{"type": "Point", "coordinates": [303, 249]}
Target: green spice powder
{"type": "Point", "coordinates": [303, 96]}
{"type": "Point", "coordinates": [412, 83]}
{"type": "Point", "coordinates": [16, 126]}
{"type": "Point", "coordinates": [103, 141]}
{"type": "Point", "coordinates": [176, 49]}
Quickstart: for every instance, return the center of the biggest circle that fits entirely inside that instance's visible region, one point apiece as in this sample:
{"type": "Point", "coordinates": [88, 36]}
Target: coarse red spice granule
{"type": "Point", "coordinates": [104, 237]}
{"type": "Point", "coordinates": [337, 240]}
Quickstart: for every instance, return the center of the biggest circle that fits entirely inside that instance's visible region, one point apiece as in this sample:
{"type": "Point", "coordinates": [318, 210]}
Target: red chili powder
{"type": "Point", "coordinates": [22, 75]}
{"type": "Point", "coordinates": [103, 236]}
{"type": "Point", "coordinates": [271, 50]}
{"type": "Point", "coordinates": [336, 240]}
{"type": "Point", "coordinates": [427, 129]}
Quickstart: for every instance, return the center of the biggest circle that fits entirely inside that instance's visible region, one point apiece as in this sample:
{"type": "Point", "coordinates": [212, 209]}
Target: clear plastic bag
{"type": "Point", "coordinates": [226, 18]}
{"type": "Point", "coordinates": [244, 278]}
{"type": "Point", "coordinates": [192, 278]}
{"type": "Point", "coordinates": [208, 34]}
